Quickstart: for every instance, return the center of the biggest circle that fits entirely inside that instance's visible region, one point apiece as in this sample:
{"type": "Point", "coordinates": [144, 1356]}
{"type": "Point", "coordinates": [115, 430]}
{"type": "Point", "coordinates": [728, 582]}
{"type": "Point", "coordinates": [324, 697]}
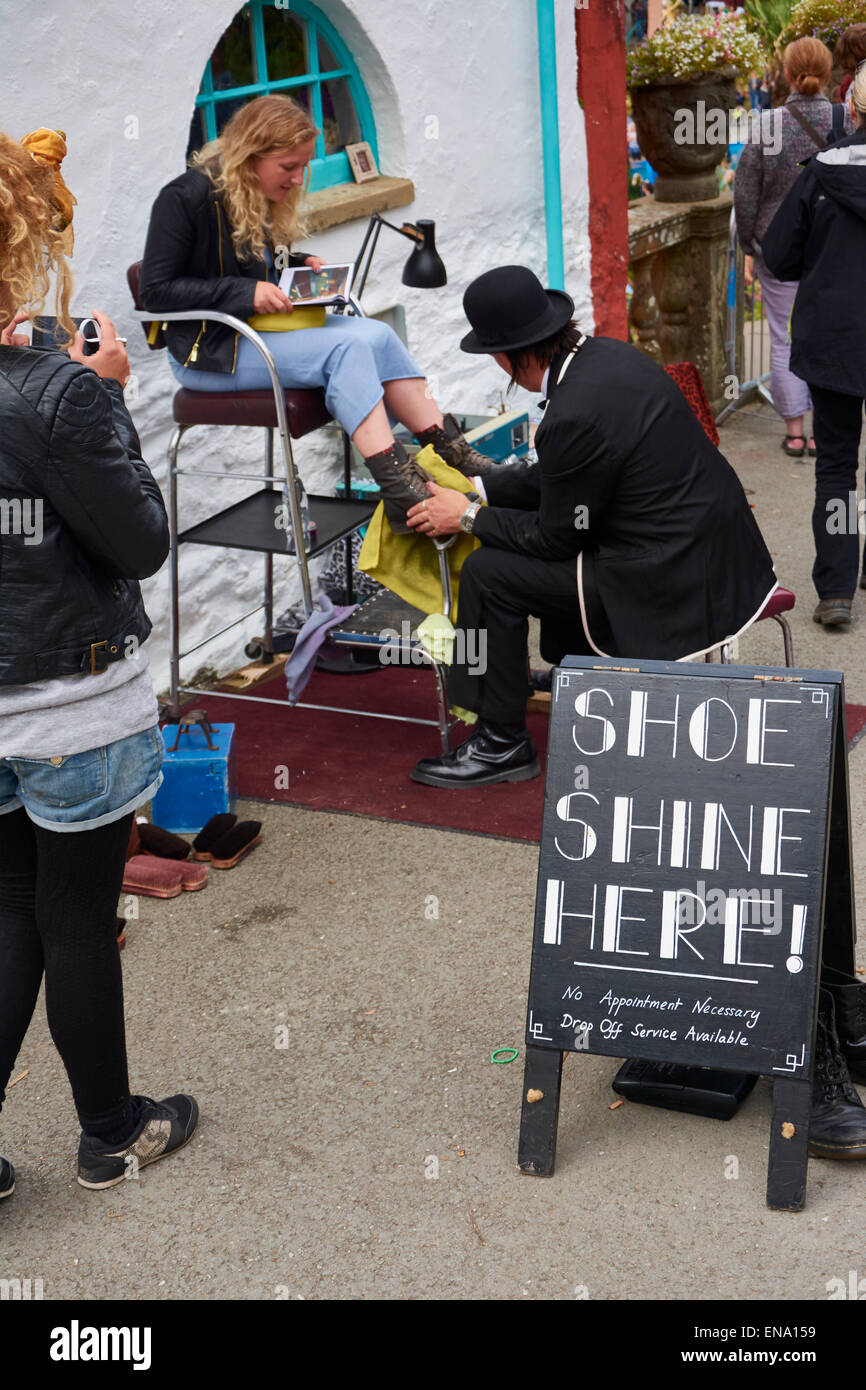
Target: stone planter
{"type": "Point", "coordinates": [682, 129]}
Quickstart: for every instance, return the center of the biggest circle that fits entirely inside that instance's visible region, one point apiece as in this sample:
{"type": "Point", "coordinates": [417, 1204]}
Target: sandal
{"type": "Point", "coordinates": [787, 445]}
{"type": "Point", "coordinates": [813, 452]}
{"type": "Point", "coordinates": [233, 847]}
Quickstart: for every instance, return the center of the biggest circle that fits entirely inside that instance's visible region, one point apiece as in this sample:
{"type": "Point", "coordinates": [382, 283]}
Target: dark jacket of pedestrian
{"type": "Point", "coordinates": [818, 237]}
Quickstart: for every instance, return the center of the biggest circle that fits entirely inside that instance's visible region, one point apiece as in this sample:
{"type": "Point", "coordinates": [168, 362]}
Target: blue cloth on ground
{"type": "Point", "coordinates": [300, 664]}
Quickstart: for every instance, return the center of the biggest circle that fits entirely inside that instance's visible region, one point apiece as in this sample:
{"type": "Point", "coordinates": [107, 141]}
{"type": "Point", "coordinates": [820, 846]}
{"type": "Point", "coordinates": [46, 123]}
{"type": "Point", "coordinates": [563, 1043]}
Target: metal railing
{"type": "Point", "coordinates": [747, 333]}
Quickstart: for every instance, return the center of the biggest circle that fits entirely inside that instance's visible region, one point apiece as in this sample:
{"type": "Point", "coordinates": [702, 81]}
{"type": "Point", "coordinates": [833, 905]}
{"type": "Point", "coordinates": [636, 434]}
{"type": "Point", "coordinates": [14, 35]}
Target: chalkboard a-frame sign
{"type": "Point", "coordinates": [696, 834]}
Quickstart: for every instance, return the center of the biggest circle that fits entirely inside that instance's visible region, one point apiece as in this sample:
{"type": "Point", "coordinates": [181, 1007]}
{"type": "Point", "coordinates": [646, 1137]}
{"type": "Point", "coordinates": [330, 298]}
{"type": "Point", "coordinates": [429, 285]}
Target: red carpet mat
{"type": "Point", "coordinates": [341, 762]}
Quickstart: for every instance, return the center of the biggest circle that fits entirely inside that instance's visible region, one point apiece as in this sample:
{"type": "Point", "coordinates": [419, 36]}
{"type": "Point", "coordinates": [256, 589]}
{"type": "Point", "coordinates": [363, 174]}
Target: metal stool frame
{"type": "Point", "coordinates": [288, 483]}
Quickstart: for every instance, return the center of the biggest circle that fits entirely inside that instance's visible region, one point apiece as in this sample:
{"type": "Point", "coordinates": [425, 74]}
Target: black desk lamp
{"type": "Point", "coordinates": [423, 270]}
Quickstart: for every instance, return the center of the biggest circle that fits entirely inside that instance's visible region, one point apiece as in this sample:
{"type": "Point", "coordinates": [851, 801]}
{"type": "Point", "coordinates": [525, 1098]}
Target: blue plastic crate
{"type": "Point", "coordinates": [198, 782]}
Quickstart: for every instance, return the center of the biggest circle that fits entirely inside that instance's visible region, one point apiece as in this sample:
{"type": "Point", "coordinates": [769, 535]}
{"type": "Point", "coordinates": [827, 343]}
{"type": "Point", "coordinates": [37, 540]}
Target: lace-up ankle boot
{"type": "Point", "coordinates": [401, 482]}
{"type": "Point", "coordinates": [837, 1127]}
{"type": "Point", "coordinates": [450, 445]}
{"type": "Point", "coordinates": [849, 1000]}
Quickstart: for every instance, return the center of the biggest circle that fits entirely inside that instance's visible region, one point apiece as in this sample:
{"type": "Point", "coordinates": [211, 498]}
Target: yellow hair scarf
{"type": "Point", "coordinates": [49, 147]}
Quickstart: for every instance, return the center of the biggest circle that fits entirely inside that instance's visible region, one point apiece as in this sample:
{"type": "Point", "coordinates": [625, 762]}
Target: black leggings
{"type": "Point", "coordinates": [58, 911]}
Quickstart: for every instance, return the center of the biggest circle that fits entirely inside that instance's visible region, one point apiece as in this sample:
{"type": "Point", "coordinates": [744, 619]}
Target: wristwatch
{"type": "Point", "coordinates": [467, 520]}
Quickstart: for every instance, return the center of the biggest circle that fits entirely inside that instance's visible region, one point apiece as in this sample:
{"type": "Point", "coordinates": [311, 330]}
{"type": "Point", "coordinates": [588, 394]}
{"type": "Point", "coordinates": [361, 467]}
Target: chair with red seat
{"type": "Point", "coordinates": [782, 601]}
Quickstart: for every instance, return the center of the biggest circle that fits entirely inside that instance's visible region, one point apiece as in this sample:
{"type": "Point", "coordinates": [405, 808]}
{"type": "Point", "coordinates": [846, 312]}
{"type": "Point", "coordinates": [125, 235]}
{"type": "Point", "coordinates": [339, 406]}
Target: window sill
{"type": "Point", "coordinates": [348, 202]}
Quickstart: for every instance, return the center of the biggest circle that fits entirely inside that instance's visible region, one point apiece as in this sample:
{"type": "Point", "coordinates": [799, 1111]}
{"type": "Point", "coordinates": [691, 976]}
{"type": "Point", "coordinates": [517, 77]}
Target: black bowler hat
{"type": "Point", "coordinates": [510, 308]}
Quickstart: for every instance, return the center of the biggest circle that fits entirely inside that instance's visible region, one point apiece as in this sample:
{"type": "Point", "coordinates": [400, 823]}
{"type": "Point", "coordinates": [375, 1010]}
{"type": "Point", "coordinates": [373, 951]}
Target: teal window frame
{"type": "Point", "coordinates": [326, 170]}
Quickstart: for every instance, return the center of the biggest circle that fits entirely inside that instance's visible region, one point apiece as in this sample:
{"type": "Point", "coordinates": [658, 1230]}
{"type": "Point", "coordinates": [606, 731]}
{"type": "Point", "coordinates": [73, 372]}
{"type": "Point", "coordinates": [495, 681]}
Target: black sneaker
{"type": "Point", "coordinates": [837, 1127]}
{"type": "Point", "coordinates": [7, 1178]}
{"type": "Point", "coordinates": [163, 1128]}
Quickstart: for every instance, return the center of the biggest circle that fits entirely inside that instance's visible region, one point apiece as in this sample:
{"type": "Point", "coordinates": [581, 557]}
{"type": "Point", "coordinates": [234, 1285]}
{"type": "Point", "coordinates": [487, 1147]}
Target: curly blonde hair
{"type": "Point", "coordinates": [32, 241]}
{"type": "Point", "coordinates": [262, 127]}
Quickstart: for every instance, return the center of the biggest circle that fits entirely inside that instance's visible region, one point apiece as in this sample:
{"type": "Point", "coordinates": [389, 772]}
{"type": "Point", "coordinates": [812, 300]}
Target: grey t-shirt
{"type": "Point", "coordinates": [54, 718]}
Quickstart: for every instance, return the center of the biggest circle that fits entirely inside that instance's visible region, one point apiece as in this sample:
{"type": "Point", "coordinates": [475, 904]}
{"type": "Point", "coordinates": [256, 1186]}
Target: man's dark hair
{"type": "Point", "coordinates": [545, 351]}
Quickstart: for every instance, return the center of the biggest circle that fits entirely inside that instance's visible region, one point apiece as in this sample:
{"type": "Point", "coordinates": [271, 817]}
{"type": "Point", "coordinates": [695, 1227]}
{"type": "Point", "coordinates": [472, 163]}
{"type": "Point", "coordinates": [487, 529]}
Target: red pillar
{"type": "Point", "coordinates": [600, 33]}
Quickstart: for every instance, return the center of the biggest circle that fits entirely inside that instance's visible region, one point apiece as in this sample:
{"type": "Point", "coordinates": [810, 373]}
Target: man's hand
{"type": "Point", "coordinates": [269, 299]}
{"type": "Point", "coordinates": [440, 514]}
{"type": "Point", "coordinates": [110, 360]}
{"type": "Point", "coordinates": [315, 263]}
{"type": "Point", "coordinates": [9, 338]}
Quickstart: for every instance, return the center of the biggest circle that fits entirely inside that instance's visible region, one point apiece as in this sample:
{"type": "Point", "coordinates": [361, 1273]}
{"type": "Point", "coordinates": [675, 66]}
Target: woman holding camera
{"type": "Point", "coordinates": [218, 238]}
{"type": "Point", "coordinates": [81, 522]}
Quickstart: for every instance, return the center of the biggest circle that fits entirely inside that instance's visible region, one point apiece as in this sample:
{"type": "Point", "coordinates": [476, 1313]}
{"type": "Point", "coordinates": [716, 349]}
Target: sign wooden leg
{"type": "Point", "coordinates": [789, 1144]}
{"type": "Point", "coordinates": [539, 1117]}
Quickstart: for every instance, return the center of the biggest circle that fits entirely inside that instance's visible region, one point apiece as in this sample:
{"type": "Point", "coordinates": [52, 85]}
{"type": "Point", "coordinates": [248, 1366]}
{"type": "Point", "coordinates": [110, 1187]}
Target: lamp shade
{"type": "Point", "coordinates": [424, 269]}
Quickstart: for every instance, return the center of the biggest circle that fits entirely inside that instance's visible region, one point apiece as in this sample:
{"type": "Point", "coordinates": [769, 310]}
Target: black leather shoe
{"type": "Point", "coordinates": [849, 999]}
{"type": "Point", "coordinates": [7, 1178]}
{"type": "Point", "coordinates": [485, 757]}
{"type": "Point", "coordinates": [837, 1128]}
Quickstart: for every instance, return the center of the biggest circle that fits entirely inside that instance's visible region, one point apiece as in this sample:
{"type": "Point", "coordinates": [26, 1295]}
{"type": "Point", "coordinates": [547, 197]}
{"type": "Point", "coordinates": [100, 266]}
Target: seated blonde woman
{"type": "Point", "coordinates": [214, 243]}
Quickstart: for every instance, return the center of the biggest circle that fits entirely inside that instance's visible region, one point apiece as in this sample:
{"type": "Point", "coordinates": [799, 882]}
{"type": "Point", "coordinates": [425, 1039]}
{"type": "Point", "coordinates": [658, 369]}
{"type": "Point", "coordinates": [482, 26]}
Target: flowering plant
{"type": "Point", "coordinates": [824, 19]}
{"type": "Point", "coordinates": [692, 46]}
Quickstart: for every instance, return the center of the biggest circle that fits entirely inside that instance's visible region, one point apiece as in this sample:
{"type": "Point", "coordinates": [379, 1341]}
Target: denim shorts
{"type": "Point", "coordinates": [84, 790]}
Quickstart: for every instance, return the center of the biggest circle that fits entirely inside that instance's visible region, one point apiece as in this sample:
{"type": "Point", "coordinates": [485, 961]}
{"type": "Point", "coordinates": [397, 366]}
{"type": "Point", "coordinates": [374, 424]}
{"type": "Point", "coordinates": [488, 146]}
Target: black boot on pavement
{"type": "Point", "coordinates": [451, 445]}
{"type": "Point", "coordinates": [849, 999]}
{"type": "Point", "coordinates": [490, 754]}
{"type": "Point", "coordinates": [401, 482]}
{"type": "Point", "coordinates": [163, 1127]}
{"type": "Point", "coordinates": [7, 1178]}
{"type": "Point", "coordinates": [837, 1128]}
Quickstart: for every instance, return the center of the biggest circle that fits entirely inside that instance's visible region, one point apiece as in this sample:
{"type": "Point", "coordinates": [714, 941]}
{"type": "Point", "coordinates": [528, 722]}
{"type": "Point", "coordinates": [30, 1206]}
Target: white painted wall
{"type": "Point", "coordinates": [87, 66]}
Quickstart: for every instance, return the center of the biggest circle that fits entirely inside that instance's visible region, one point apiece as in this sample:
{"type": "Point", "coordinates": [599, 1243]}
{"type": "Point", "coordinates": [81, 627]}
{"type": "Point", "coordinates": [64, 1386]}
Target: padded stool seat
{"type": "Point", "coordinates": [781, 602]}
{"type": "Point", "coordinates": [305, 409]}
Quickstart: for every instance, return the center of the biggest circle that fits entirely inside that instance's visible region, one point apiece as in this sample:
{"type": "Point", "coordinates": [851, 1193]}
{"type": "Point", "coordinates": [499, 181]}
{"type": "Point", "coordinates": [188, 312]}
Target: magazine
{"type": "Point", "coordinates": [304, 286]}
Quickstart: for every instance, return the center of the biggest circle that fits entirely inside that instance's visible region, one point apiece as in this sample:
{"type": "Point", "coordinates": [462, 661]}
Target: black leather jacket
{"type": "Point", "coordinates": [190, 263]}
{"type": "Point", "coordinates": [81, 520]}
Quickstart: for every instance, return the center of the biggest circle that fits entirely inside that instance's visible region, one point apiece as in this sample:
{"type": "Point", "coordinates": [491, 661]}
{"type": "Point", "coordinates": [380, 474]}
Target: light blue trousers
{"type": "Point", "coordinates": [350, 357]}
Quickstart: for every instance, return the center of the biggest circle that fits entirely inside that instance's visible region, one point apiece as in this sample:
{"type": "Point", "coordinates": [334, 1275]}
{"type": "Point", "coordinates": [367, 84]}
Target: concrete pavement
{"type": "Point", "coordinates": [373, 1155]}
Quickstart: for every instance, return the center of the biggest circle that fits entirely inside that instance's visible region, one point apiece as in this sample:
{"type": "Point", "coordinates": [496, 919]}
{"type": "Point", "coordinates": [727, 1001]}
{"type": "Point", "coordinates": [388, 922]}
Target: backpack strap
{"type": "Point", "coordinates": [806, 125]}
{"type": "Point", "coordinates": [837, 130]}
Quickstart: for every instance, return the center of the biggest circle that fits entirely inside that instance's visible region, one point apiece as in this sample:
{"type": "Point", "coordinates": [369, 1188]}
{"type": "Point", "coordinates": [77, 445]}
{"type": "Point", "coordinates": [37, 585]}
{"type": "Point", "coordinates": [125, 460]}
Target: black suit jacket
{"type": "Point", "coordinates": [628, 484]}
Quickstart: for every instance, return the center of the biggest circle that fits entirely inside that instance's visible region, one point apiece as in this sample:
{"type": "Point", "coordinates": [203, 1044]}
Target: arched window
{"type": "Point", "coordinates": [271, 48]}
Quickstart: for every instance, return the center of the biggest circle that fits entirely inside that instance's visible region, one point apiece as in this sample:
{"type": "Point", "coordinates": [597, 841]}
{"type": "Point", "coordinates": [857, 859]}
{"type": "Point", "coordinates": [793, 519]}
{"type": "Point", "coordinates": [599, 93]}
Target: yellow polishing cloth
{"type": "Point", "coordinates": [309, 317]}
{"type": "Point", "coordinates": [409, 565]}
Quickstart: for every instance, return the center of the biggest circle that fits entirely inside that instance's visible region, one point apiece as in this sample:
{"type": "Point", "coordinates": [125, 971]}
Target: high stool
{"type": "Point", "coordinates": [782, 601]}
{"type": "Point", "coordinates": [251, 524]}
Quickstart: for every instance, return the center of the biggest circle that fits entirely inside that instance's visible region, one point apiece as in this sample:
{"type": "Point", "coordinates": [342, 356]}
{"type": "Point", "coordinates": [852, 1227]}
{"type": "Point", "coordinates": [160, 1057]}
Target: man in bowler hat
{"type": "Point", "coordinates": [631, 535]}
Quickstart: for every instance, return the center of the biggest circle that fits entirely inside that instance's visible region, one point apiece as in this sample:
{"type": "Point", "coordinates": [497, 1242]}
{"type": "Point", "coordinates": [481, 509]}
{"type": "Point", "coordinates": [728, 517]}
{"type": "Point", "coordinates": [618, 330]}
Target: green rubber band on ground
{"type": "Point", "coordinates": [503, 1061]}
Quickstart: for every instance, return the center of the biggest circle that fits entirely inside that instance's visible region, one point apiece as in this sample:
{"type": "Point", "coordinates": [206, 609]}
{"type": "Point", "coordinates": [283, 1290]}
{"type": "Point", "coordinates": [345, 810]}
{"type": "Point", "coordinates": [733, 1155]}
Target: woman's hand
{"type": "Point", "coordinates": [269, 299]}
{"type": "Point", "coordinates": [9, 338]}
{"type": "Point", "coordinates": [110, 360]}
{"type": "Point", "coordinates": [440, 514]}
{"type": "Point", "coordinates": [315, 263]}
